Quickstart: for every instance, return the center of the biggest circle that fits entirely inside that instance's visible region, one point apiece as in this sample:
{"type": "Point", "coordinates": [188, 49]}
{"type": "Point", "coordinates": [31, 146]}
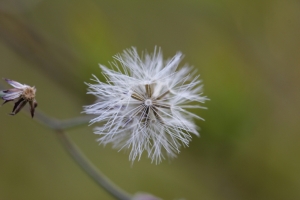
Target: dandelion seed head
{"type": "Point", "coordinates": [145, 104]}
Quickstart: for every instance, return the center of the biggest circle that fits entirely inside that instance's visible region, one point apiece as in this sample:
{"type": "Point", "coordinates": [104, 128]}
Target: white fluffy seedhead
{"type": "Point", "coordinates": [143, 105]}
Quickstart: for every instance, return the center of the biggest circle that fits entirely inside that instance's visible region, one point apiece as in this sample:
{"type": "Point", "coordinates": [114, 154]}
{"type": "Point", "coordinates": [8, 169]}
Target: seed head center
{"type": "Point", "coordinates": [148, 102]}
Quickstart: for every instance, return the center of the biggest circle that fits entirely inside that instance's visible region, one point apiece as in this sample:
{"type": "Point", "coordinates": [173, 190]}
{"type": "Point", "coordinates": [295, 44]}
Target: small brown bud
{"type": "Point", "coordinates": [21, 94]}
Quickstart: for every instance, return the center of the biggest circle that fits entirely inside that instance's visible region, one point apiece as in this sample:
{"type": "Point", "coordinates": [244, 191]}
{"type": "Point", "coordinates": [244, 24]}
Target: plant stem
{"type": "Point", "coordinates": [77, 155]}
{"type": "Point", "coordinates": [60, 124]}
{"type": "Point", "coordinates": [91, 170]}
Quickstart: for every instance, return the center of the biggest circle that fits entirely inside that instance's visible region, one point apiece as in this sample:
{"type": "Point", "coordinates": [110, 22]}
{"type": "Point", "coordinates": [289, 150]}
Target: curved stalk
{"type": "Point", "coordinates": [92, 171]}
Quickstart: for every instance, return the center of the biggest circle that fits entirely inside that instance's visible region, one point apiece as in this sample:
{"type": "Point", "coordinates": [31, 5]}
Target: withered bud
{"type": "Point", "coordinates": [21, 94]}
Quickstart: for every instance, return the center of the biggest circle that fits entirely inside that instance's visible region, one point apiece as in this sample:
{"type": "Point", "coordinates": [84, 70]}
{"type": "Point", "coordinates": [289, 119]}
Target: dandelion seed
{"type": "Point", "coordinates": [21, 94]}
{"type": "Point", "coordinates": [145, 104]}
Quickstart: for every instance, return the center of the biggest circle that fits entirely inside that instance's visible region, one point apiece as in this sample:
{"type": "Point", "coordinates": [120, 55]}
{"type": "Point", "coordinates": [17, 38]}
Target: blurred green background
{"type": "Point", "coordinates": [247, 53]}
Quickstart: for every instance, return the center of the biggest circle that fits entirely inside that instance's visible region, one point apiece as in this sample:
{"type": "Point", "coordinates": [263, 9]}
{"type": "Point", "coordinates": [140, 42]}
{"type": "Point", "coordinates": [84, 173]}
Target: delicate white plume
{"type": "Point", "coordinates": [145, 104]}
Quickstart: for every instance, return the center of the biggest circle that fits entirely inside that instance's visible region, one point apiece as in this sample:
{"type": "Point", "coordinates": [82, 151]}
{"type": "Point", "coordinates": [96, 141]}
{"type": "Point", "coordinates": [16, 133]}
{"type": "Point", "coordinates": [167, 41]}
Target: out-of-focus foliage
{"type": "Point", "coordinates": [247, 53]}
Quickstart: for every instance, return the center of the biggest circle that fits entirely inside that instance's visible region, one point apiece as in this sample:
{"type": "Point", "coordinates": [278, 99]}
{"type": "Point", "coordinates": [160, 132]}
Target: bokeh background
{"type": "Point", "coordinates": [247, 53]}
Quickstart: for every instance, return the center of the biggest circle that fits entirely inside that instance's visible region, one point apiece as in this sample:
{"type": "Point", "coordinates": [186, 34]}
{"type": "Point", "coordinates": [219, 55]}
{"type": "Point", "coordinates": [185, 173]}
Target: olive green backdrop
{"type": "Point", "coordinates": [247, 53]}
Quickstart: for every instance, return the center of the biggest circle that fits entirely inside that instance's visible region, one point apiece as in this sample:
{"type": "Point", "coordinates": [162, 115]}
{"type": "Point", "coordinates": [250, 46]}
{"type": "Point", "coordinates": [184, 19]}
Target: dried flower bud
{"type": "Point", "coordinates": [21, 94]}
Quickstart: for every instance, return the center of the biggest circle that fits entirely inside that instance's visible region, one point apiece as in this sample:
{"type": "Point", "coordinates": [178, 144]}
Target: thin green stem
{"type": "Point", "coordinates": [77, 155]}
{"type": "Point", "coordinates": [61, 124]}
{"type": "Point", "coordinates": [90, 169]}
